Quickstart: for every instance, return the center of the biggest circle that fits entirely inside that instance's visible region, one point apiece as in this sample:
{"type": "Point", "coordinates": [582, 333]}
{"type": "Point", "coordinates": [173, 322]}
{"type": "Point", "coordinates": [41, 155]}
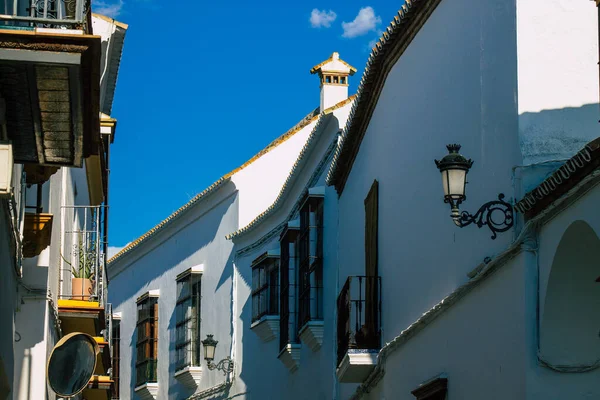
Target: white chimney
{"type": "Point", "coordinates": [333, 73]}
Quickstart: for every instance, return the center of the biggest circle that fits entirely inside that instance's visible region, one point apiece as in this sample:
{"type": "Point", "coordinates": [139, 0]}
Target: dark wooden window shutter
{"type": "Point", "coordinates": [371, 332]}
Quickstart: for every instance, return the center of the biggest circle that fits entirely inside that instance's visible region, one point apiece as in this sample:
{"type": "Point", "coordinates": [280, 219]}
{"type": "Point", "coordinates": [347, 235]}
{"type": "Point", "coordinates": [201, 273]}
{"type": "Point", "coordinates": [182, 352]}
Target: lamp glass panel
{"type": "Point", "coordinates": [445, 182]}
{"type": "Point", "coordinates": [455, 183]}
{"type": "Point", "coordinates": [209, 352]}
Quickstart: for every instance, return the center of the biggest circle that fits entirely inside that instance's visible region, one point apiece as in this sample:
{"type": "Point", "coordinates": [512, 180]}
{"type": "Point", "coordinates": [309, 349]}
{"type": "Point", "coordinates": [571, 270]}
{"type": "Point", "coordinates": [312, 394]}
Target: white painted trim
{"type": "Point", "coordinates": [267, 327]}
{"type": "Point", "coordinates": [147, 391]}
{"type": "Point", "coordinates": [274, 253]}
{"type": "Point", "coordinates": [197, 269]}
{"type": "Point", "coordinates": [317, 191]}
{"type": "Point", "coordinates": [54, 31]}
{"type": "Point", "coordinates": [311, 334]}
{"type": "Point", "coordinates": [117, 315]}
{"type": "Point", "coordinates": [189, 376]}
{"type": "Point", "coordinates": [154, 293]}
{"type": "Point", "coordinates": [50, 57]}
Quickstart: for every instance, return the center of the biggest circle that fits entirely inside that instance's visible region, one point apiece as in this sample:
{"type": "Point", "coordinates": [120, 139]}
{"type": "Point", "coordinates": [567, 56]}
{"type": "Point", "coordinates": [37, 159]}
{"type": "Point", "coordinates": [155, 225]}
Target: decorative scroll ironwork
{"type": "Point", "coordinates": [225, 365]}
{"type": "Point", "coordinates": [486, 216]}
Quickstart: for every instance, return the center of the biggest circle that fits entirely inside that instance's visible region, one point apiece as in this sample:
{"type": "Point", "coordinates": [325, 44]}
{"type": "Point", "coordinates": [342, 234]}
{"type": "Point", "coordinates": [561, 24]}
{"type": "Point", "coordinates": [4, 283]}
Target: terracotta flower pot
{"type": "Point", "coordinates": [81, 288]}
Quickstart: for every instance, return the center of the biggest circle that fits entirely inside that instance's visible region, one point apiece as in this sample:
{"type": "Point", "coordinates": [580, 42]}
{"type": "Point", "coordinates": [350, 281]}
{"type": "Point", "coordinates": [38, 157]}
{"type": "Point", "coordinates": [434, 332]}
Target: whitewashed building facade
{"type": "Point", "coordinates": [287, 256]}
{"type": "Point", "coordinates": [54, 152]}
{"type": "Point", "coordinates": [344, 277]}
{"type": "Point", "coordinates": [463, 315]}
{"type": "Point", "coordinates": [178, 283]}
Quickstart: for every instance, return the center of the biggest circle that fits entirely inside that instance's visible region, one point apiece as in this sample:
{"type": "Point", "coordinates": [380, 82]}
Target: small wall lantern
{"type": "Point", "coordinates": [210, 345]}
{"type": "Point", "coordinates": [497, 214]}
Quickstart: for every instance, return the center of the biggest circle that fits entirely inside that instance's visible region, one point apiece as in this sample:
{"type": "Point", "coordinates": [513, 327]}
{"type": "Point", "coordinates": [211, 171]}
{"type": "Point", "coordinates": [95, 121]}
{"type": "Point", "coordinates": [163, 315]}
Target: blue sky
{"type": "Point", "coordinates": [203, 86]}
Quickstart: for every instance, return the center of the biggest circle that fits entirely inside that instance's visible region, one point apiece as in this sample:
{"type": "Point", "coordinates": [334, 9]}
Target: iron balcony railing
{"type": "Point", "coordinates": [23, 14]}
{"type": "Point", "coordinates": [82, 253]}
{"type": "Point", "coordinates": [359, 315]}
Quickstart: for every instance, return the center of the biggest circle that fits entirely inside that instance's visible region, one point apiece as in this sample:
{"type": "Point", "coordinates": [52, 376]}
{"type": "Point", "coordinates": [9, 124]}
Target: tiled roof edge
{"type": "Point", "coordinates": [295, 129]}
{"type": "Point", "coordinates": [314, 69]}
{"type": "Point", "coordinates": [295, 168]}
{"type": "Point", "coordinates": [392, 43]}
{"type": "Point", "coordinates": [169, 219]}
{"type": "Point", "coordinates": [561, 180]}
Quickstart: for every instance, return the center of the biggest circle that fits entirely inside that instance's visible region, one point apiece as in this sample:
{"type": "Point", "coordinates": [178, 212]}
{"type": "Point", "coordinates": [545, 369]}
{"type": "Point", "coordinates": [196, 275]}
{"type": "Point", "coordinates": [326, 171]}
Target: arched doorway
{"type": "Point", "coordinates": [570, 324]}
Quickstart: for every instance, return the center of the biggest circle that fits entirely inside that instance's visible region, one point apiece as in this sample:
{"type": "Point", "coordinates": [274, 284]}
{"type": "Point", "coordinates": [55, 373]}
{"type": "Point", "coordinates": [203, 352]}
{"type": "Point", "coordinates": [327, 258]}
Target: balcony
{"type": "Point", "coordinates": [49, 80]}
{"type": "Point", "coordinates": [37, 231]}
{"type": "Point", "coordinates": [358, 328]}
{"type": "Point", "coordinates": [82, 301]}
{"type": "Point", "coordinates": [58, 14]}
{"type": "Point", "coordinates": [100, 385]}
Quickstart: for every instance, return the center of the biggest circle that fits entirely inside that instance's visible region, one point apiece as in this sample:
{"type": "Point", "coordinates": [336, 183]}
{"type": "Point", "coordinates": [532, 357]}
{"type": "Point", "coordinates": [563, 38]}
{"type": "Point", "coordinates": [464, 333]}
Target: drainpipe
{"type": "Point", "coordinates": [107, 166]}
{"type": "Point", "coordinates": [336, 384]}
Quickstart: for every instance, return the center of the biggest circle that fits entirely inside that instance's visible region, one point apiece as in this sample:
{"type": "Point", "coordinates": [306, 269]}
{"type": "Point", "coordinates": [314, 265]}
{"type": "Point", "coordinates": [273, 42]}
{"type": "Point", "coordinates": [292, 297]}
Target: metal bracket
{"type": "Point", "coordinates": [485, 216]}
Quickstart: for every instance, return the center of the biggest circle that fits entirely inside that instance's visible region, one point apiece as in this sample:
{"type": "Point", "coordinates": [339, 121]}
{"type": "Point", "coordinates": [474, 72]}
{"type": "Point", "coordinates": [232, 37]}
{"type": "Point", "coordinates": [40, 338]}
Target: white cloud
{"type": "Point", "coordinates": [108, 8]}
{"type": "Point", "coordinates": [322, 19]}
{"type": "Point", "coordinates": [372, 44]}
{"type": "Point", "coordinates": [112, 250]}
{"type": "Point", "coordinates": [366, 21]}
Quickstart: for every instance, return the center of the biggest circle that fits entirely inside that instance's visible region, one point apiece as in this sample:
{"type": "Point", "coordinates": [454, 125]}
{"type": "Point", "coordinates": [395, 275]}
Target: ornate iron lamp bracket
{"type": "Point", "coordinates": [497, 215]}
{"type": "Point", "coordinates": [225, 365]}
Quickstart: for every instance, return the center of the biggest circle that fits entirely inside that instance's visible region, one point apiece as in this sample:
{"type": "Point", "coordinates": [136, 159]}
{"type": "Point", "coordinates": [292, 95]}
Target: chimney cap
{"type": "Point", "coordinates": [333, 64]}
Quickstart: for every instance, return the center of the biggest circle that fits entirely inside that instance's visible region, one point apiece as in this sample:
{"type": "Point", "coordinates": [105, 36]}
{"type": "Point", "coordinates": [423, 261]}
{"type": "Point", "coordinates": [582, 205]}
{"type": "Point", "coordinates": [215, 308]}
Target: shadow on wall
{"type": "Point", "coordinates": [172, 252]}
{"type": "Point", "coordinates": [557, 134]}
{"type": "Point", "coordinates": [187, 242]}
{"type": "Point", "coordinates": [569, 327]}
{"type": "Point", "coordinates": [26, 339]}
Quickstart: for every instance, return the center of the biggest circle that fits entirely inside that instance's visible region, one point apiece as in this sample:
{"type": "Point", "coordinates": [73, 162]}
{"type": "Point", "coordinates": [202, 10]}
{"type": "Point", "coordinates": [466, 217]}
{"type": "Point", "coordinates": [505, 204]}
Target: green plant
{"type": "Point", "coordinates": [86, 260]}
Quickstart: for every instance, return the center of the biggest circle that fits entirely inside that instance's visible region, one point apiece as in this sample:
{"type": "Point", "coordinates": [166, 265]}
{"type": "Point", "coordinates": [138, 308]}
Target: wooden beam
{"type": "Point", "coordinates": [35, 113]}
{"type": "Point", "coordinates": [76, 115]}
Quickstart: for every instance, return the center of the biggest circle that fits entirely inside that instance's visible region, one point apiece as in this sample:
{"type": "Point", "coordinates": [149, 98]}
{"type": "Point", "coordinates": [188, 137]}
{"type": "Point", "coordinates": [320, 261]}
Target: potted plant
{"type": "Point", "coordinates": [82, 282]}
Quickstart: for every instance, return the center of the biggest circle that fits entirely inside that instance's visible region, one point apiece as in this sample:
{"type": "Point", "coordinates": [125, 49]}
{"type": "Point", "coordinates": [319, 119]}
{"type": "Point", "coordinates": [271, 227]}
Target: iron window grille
{"type": "Point", "coordinates": [116, 356]}
{"type": "Point", "coordinates": [287, 296]}
{"type": "Point", "coordinates": [147, 340]}
{"type": "Point", "coordinates": [187, 327]}
{"type": "Point", "coordinates": [359, 315]}
{"type": "Point", "coordinates": [265, 286]}
{"type": "Point", "coordinates": [310, 271]}
{"type": "Point", "coordinates": [71, 14]}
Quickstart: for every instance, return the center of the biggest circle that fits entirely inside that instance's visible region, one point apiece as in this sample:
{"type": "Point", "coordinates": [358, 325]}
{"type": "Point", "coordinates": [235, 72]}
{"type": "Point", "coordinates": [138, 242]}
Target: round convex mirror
{"type": "Point", "coordinates": [72, 364]}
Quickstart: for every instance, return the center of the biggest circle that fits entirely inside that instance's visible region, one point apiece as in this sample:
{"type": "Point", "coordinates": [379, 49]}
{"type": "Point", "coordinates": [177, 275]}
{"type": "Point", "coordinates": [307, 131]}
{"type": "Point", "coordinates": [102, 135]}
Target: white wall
{"type": "Point", "coordinates": [260, 182]}
{"type": "Point", "coordinates": [199, 239]}
{"type": "Point", "coordinates": [459, 90]}
{"type": "Point", "coordinates": [262, 373]}
{"type": "Point", "coordinates": [557, 47]}
{"type": "Point", "coordinates": [8, 294]}
{"type": "Point", "coordinates": [478, 343]}
{"type": "Point", "coordinates": [543, 382]}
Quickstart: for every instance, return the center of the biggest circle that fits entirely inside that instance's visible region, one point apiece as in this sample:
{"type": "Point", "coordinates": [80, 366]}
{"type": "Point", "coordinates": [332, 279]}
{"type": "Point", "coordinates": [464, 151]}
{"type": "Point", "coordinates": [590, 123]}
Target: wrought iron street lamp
{"type": "Point", "coordinates": [210, 345]}
{"type": "Point", "coordinates": [497, 214]}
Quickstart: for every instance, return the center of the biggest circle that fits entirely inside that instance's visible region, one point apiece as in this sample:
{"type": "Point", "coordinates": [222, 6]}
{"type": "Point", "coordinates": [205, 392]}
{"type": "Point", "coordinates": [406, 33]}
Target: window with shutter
{"type": "Point", "coordinates": [287, 294]}
{"type": "Point", "coordinates": [187, 325]}
{"type": "Point", "coordinates": [370, 329]}
{"type": "Point", "coordinates": [310, 271]}
{"type": "Point", "coordinates": [147, 340]}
